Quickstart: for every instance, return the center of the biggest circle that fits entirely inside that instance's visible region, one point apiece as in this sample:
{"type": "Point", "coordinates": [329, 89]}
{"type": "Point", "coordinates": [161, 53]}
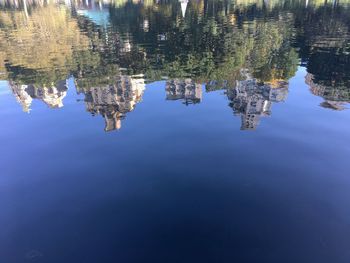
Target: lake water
{"type": "Point", "coordinates": [175, 131]}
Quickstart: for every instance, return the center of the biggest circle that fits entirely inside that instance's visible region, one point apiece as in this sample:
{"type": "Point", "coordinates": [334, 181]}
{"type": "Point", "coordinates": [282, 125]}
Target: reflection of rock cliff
{"type": "Point", "coordinates": [52, 96]}
{"type": "Point", "coordinates": [251, 100]}
{"type": "Point", "coordinates": [114, 101]}
{"type": "Point", "coordinates": [335, 97]}
{"type": "Point", "coordinates": [187, 90]}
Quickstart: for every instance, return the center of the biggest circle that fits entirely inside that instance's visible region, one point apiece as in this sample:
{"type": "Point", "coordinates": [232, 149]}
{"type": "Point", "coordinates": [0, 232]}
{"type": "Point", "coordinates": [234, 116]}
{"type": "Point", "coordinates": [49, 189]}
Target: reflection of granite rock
{"type": "Point", "coordinates": [114, 101]}
{"type": "Point", "coordinates": [22, 97]}
{"type": "Point", "coordinates": [333, 105]}
{"type": "Point", "coordinates": [186, 89]}
{"type": "Point", "coordinates": [335, 97]}
{"type": "Point", "coordinates": [251, 100]}
{"type": "Point", "coordinates": [52, 96]}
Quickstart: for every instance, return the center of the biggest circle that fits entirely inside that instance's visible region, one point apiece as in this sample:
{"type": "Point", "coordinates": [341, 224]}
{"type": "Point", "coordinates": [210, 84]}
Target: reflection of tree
{"type": "Point", "coordinates": [208, 44]}
{"type": "Point", "coordinates": [331, 67]}
{"type": "Point", "coordinates": [3, 71]}
{"type": "Point", "coordinates": [323, 36]}
{"type": "Point", "coordinates": [272, 57]}
{"type": "Point", "coordinates": [334, 96]}
{"type": "Point", "coordinates": [44, 42]}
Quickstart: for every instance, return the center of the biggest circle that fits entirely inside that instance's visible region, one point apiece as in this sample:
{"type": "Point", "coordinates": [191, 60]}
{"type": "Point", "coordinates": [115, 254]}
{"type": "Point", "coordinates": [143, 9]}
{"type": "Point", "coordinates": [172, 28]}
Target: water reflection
{"type": "Point", "coordinates": [174, 179]}
{"type": "Point", "coordinates": [184, 89]}
{"type": "Point", "coordinates": [335, 98]}
{"type": "Point", "coordinates": [252, 100]}
{"type": "Point", "coordinates": [52, 96]}
{"type": "Point", "coordinates": [190, 43]}
{"type": "Point", "coordinates": [114, 101]}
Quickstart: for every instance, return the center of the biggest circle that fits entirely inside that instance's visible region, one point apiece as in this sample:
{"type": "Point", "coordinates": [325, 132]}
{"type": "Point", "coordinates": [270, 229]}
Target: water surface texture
{"type": "Point", "coordinates": [175, 131]}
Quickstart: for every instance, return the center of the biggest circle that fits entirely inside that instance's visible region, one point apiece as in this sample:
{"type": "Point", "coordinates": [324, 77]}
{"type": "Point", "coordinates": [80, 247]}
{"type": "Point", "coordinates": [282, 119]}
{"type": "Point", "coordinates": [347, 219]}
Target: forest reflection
{"type": "Point", "coordinates": [248, 49]}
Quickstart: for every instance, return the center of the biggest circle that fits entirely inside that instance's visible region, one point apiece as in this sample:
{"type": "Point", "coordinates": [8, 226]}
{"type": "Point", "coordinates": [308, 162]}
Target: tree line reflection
{"type": "Point", "coordinates": [249, 49]}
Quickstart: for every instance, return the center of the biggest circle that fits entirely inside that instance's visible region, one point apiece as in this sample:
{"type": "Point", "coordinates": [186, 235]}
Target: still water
{"type": "Point", "coordinates": [175, 131]}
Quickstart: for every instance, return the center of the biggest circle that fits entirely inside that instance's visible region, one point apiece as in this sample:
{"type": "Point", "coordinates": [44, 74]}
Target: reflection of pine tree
{"type": "Point", "coordinates": [323, 37]}
{"type": "Point", "coordinates": [334, 96]}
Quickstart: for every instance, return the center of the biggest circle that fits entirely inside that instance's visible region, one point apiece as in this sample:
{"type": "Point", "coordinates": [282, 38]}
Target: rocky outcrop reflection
{"type": "Point", "coordinates": [184, 4]}
{"type": "Point", "coordinates": [252, 100]}
{"type": "Point", "coordinates": [184, 89]}
{"type": "Point", "coordinates": [52, 96]}
{"type": "Point", "coordinates": [335, 98]}
{"type": "Point", "coordinates": [114, 101]}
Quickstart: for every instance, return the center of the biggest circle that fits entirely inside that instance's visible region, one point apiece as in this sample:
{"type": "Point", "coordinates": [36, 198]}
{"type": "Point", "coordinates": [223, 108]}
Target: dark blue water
{"type": "Point", "coordinates": [170, 169]}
